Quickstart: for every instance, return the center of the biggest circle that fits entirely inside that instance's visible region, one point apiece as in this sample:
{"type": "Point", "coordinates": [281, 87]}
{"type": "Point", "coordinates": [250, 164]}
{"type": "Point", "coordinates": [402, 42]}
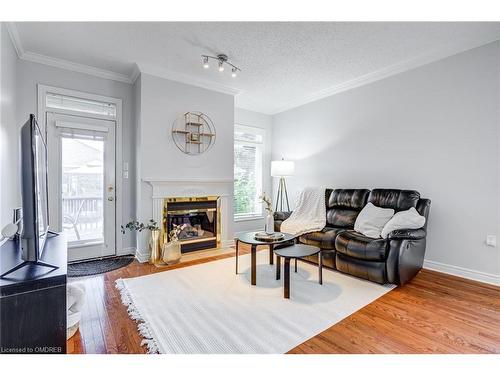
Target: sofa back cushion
{"type": "Point", "coordinates": [398, 200]}
{"type": "Point", "coordinates": [344, 205]}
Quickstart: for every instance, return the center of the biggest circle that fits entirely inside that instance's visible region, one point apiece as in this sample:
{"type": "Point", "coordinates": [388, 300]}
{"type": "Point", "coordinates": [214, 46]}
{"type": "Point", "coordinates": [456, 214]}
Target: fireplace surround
{"type": "Point", "coordinates": [201, 218]}
{"type": "Point", "coordinates": [155, 190]}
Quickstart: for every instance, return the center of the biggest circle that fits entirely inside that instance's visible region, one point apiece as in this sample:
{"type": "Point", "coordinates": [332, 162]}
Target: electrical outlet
{"type": "Point", "coordinates": [125, 174]}
{"type": "Point", "coordinates": [491, 240]}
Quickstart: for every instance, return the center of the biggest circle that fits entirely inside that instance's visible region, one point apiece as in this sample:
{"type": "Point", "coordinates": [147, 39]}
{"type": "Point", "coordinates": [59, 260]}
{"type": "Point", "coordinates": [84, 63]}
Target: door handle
{"type": "Point", "coordinates": [111, 199]}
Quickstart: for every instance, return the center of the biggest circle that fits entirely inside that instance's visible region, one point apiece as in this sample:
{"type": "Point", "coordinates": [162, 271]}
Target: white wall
{"type": "Point", "coordinates": [161, 102]}
{"type": "Point", "coordinates": [30, 74]}
{"type": "Point", "coordinates": [10, 196]}
{"type": "Point", "coordinates": [433, 129]}
{"type": "Point", "coordinates": [256, 120]}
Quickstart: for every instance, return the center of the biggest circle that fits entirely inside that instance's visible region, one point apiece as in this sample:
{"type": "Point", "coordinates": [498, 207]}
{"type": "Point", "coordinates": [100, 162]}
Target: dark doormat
{"type": "Point", "coordinates": [95, 267]}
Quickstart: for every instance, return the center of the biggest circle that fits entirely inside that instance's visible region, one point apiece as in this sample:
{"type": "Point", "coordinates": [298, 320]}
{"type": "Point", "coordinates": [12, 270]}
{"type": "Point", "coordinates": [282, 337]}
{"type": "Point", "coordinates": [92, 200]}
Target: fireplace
{"type": "Point", "coordinates": [201, 217]}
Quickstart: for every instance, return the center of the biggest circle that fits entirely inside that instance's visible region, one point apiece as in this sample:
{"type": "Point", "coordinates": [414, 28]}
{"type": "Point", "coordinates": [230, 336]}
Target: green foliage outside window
{"type": "Point", "coordinates": [245, 191]}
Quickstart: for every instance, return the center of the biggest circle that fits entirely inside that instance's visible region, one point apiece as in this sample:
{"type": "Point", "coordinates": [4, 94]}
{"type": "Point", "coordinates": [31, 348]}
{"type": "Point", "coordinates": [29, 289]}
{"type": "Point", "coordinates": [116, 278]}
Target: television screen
{"type": "Point", "coordinates": [34, 190]}
{"type": "Point", "coordinates": [41, 187]}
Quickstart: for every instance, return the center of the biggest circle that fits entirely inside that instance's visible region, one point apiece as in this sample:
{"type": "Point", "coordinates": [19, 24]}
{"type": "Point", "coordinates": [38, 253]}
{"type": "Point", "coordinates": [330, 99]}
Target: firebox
{"type": "Point", "coordinates": [201, 216]}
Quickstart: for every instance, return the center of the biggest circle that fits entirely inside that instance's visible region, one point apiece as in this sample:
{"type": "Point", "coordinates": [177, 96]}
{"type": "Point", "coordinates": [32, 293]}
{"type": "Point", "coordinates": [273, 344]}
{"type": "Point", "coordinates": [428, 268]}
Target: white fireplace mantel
{"type": "Point", "coordinates": [163, 188]}
{"type": "Point", "coordinates": [196, 187]}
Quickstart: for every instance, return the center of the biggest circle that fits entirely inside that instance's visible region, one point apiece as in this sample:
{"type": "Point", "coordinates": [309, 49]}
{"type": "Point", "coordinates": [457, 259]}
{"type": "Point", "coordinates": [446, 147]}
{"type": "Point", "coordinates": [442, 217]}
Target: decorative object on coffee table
{"type": "Point", "coordinates": [295, 252]}
{"type": "Point", "coordinates": [193, 133]}
{"type": "Point", "coordinates": [270, 217]}
{"type": "Point", "coordinates": [249, 238]}
{"type": "Point", "coordinates": [263, 236]}
{"type": "Point", "coordinates": [282, 168]}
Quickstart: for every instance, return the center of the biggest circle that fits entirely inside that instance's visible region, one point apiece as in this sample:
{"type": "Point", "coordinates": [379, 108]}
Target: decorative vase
{"type": "Point", "coordinates": [154, 246]}
{"type": "Point", "coordinates": [269, 223]}
{"type": "Point", "coordinates": [171, 252]}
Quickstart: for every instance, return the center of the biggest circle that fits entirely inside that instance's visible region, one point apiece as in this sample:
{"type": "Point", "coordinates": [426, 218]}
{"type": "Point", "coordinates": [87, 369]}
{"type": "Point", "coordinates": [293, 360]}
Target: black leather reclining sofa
{"type": "Point", "coordinates": [394, 260]}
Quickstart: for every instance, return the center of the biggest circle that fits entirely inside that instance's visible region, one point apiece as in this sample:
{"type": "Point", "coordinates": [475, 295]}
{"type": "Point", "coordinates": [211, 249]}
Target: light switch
{"type": "Point", "coordinates": [125, 174]}
{"type": "Point", "coordinates": [491, 240]}
{"type": "Point", "coordinates": [125, 166]}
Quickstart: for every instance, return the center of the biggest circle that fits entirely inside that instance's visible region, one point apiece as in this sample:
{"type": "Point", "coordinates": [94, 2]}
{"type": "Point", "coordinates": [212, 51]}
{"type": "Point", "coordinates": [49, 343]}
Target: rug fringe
{"type": "Point", "coordinates": [142, 326]}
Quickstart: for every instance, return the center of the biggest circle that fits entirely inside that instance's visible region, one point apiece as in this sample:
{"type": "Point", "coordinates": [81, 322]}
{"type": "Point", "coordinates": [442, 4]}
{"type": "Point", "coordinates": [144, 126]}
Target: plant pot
{"type": "Point", "coordinates": [154, 246]}
{"type": "Point", "coordinates": [171, 252]}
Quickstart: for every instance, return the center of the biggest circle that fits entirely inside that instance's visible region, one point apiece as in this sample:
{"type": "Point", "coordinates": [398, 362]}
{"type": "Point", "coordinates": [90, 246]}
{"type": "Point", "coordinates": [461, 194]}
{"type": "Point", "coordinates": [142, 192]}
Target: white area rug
{"type": "Point", "coordinates": [207, 308]}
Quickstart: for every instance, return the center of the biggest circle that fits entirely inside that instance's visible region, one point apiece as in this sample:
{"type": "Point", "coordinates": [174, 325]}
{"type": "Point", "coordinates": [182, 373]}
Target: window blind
{"type": "Point", "coordinates": [248, 148]}
{"type": "Point", "coordinates": [80, 105]}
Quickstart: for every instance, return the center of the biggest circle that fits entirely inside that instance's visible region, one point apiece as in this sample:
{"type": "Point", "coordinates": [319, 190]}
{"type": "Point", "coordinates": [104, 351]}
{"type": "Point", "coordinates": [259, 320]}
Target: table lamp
{"type": "Point", "coordinates": [282, 168]}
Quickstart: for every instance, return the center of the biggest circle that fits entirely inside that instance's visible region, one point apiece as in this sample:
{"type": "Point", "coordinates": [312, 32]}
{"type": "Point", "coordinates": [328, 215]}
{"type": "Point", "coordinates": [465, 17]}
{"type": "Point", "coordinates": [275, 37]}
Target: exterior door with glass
{"type": "Point", "coordinates": [82, 182]}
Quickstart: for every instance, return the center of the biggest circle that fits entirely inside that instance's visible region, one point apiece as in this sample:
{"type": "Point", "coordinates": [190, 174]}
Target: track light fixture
{"type": "Point", "coordinates": [205, 62]}
{"type": "Point", "coordinates": [221, 61]}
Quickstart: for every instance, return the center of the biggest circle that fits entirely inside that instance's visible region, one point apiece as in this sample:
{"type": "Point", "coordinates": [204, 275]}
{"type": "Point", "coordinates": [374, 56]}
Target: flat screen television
{"type": "Point", "coordinates": [34, 190]}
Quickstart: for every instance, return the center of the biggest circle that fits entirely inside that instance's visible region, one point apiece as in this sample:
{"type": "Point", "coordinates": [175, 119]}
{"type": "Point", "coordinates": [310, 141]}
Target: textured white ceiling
{"type": "Point", "coordinates": [282, 62]}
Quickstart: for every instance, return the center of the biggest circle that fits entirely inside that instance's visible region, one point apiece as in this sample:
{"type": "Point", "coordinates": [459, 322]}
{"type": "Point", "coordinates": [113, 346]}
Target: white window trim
{"type": "Point", "coordinates": [43, 90]}
{"type": "Point", "coordinates": [262, 132]}
{"type": "Point", "coordinates": [238, 218]}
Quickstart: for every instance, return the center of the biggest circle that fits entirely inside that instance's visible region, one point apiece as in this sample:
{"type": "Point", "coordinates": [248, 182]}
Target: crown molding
{"type": "Point", "coordinates": [136, 72]}
{"type": "Point", "coordinates": [14, 37]}
{"type": "Point", "coordinates": [22, 54]}
{"type": "Point", "coordinates": [75, 67]}
{"type": "Point", "coordinates": [385, 73]}
{"type": "Point", "coordinates": [250, 108]}
{"type": "Point", "coordinates": [190, 80]}
{"type": "Point", "coordinates": [187, 79]}
{"type": "Point", "coordinates": [107, 74]}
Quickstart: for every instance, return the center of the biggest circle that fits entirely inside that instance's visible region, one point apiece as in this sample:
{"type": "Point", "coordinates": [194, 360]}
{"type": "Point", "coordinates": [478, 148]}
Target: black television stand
{"type": "Point", "coordinates": [28, 263]}
{"type": "Point", "coordinates": [33, 301]}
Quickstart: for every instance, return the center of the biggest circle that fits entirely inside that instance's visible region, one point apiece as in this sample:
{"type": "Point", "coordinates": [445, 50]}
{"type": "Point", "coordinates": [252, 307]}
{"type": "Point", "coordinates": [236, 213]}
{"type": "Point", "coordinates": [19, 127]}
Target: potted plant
{"type": "Point", "coordinates": [154, 239]}
{"type": "Point", "coordinates": [269, 217]}
{"type": "Point", "coordinates": [172, 249]}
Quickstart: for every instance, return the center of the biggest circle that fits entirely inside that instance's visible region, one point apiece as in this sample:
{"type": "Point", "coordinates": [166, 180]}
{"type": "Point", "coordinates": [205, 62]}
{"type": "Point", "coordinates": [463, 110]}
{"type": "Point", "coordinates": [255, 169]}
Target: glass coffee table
{"type": "Point", "coordinates": [296, 251]}
{"type": "Point", "coordinates": [249, 238]}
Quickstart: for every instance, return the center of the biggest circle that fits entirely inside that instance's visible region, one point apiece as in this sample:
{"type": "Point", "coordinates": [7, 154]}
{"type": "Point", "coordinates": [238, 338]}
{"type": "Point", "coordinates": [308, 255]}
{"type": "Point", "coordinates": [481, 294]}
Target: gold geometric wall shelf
{"type": "Point", "coordinates": [193, 133]}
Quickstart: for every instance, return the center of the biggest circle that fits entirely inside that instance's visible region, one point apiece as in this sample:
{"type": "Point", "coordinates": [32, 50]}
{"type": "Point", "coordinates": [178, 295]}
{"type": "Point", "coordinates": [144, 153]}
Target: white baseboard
{"type": "Point", "coordinates": [227, 243]}
{"type": "Point", "coordinates": [126, 251]}
{"type": "Point", "coordinates": [466, 273]}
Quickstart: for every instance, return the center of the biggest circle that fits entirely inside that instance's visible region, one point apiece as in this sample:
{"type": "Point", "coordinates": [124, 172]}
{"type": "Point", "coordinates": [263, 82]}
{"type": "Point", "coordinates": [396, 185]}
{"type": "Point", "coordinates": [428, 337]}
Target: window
{"type": "Point", "coordinates": [82, 105]}
{"type": "Point", "coordinates": [248, 159]}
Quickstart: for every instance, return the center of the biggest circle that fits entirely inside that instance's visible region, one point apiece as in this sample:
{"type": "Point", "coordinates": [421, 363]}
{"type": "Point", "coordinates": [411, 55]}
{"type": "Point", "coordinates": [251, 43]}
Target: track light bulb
{"type": "Point", "coordinates": [205, 63]}
{"type": "Point", "coordinates": [233, 72]}
{"type": "Point", "coordinates": [221, 66]}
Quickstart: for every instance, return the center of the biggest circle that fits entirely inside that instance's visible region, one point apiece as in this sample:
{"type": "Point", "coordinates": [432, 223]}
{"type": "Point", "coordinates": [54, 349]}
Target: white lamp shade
{"type": "Point", "coordinates": [281, 168]}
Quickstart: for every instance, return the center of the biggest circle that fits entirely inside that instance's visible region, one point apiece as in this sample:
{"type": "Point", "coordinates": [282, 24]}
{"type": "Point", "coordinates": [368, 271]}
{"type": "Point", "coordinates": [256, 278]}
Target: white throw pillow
{"type": "Point", "coordinates": [409, 219]}
{"type": "Point", "coordinates": [371, 220]}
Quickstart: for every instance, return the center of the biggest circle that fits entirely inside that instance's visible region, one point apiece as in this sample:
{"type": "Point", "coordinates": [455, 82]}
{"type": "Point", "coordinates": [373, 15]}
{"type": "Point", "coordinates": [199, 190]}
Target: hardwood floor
{"type": "Point", "coordinates": [434, 313]}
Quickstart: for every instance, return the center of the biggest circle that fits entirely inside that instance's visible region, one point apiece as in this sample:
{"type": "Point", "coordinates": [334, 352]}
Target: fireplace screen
{"type": "Point", "coordinates": [198, 224]}
{"type": "Point", "coordinates": [200, 217]}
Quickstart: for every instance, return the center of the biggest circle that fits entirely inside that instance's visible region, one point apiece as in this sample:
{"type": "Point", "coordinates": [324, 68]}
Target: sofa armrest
{"type": "Point", "coordinates": [407, 234]}
{"type": "Point", "coordinates": [282, 215]}
{"type": "Point", "coordinates": [279, 217]}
